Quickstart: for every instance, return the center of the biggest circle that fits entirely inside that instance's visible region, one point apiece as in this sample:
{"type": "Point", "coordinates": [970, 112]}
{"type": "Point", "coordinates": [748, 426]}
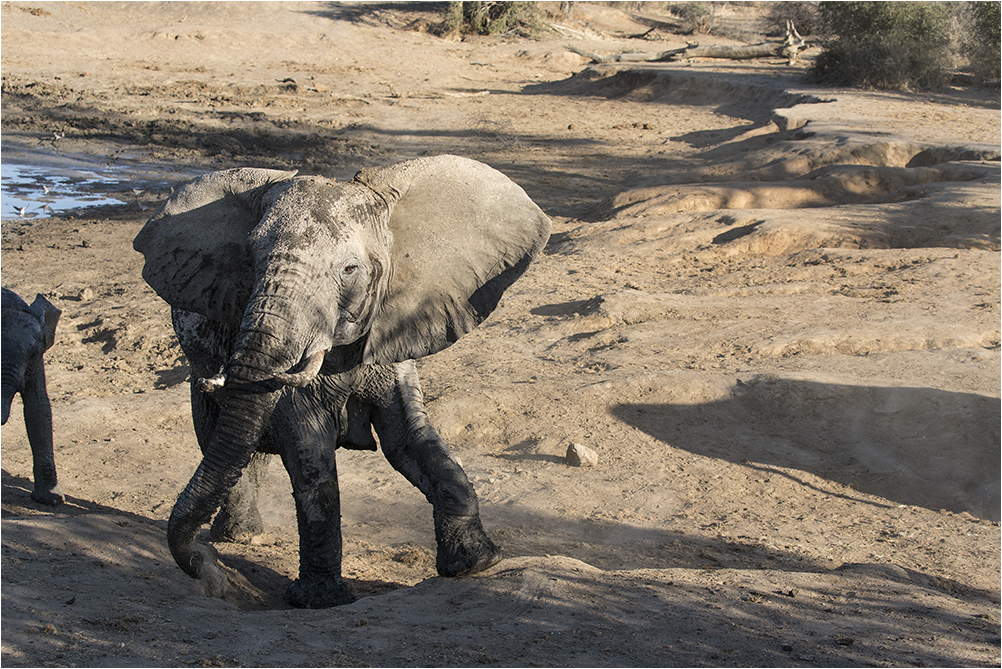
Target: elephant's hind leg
{"type": "Point", "coordinates": [239, 520]}
{"type": "Point", "coordinates": [414, 448]}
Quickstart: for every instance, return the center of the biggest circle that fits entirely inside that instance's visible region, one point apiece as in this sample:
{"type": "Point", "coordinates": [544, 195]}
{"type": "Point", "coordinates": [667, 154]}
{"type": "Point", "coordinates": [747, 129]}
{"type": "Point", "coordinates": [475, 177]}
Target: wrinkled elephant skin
{"type": "Point", "coordinates": [301, 304]}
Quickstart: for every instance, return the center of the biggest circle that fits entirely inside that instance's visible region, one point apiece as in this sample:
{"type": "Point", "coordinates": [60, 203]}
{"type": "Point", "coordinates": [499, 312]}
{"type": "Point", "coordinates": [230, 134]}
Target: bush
{"type": "Point", "coordinates": [696, 17]}
{"type": "Point", "coordinates": [895, 45]}
{"type": "Point", "coordinates": [491, 18]}
{"type": "Point", "coordinates": [805, 16]}
{"type": "Point", "coordinates": [981, 24]}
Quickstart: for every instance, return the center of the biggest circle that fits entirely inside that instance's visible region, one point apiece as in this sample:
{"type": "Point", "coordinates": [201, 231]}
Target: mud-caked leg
{"type": "Point", "coordinates": [414, 448]}
{"type": "Point", "coordinates": [309, 458]}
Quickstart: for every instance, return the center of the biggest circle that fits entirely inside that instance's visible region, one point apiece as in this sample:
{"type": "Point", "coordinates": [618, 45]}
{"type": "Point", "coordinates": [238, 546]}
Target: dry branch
{"type": "Point", "coordinates": [790, 49]}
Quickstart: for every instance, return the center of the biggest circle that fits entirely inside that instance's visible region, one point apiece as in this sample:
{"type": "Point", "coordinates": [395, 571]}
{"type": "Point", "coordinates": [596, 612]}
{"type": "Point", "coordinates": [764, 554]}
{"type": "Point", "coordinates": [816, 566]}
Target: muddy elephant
{"type": "Point", "coordinates": [301, 304]}
{"type": "Point", "coordinates": [27, 333]}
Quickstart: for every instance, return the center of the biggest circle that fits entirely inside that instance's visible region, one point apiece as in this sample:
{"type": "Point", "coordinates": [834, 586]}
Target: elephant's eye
{"type": "Point", "coordinates": [349, 269]}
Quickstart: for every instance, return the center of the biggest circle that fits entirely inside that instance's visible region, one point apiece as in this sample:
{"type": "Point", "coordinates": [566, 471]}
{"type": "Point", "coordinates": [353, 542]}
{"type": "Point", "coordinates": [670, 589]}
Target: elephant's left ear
{"type": "Point", "coordinates": [462, 234]}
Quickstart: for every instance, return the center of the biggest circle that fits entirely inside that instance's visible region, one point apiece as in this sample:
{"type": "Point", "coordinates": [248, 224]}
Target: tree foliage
{"type": "Point", "coordinates": [491, 18]}
{"type": "Point", "coordinates": [697, 17]}
{"type": "Point", "coordinates": [982, 42]}
{"type": "Point", "coordinates": [895, 45]}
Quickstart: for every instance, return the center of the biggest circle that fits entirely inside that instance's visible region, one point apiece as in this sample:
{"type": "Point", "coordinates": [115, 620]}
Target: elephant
{"type": "Point", "coordinates": [301, 304]}
{"type": "Point", "coordinates": [27, 333]}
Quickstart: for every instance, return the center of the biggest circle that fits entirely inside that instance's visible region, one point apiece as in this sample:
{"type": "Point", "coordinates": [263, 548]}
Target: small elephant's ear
{"type": "Point", "coordinates": [48, 315]}
{"type": "Point", "coordinates": [462, 233]}
{"type": "Point", "coordinates": [196, 246]}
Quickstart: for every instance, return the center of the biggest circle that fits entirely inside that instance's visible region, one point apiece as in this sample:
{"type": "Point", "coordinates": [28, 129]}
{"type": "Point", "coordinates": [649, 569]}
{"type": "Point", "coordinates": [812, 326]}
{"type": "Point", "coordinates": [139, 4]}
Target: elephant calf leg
{"type": "Point", "coordinates": [38, 422]}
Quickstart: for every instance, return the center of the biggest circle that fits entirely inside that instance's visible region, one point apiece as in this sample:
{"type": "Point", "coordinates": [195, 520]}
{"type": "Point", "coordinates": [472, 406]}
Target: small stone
{"type": "Point", "coordinates": [579, 455]}
{"type": "Point", "coordinates": [78, 294]}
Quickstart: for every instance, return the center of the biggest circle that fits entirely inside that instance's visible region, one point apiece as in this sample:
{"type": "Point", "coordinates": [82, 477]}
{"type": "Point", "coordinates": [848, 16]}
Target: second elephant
{"type": "Point", "coordinates": [301, 304]}
{"type": "Point", "coordinates": [28, 332]}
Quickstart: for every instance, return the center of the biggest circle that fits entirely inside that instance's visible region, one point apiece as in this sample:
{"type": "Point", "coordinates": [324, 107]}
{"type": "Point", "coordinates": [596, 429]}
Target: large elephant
{"type": "Point", "coordinates": [27, 333]}
{"type": "Point", "coordinates": [301, 304]}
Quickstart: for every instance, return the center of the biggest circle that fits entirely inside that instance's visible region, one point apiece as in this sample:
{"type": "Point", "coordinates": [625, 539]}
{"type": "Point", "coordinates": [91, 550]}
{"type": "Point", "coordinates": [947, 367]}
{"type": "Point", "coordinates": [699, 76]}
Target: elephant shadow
{"type": "Point", "coordinates": [916, 446]}
{"type": "Point", "coordinates": [253, 586]}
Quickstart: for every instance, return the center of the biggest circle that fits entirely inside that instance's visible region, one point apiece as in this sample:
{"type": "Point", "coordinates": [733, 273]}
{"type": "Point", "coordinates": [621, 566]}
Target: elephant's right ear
{"type": "Point", "coordinates": [196, 245]}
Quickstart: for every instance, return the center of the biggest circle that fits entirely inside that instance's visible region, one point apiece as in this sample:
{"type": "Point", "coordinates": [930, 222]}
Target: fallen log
{"type": "Point", "coordinates": [790, 49]}
{"type": "Point", "coordinates": [660, 56]}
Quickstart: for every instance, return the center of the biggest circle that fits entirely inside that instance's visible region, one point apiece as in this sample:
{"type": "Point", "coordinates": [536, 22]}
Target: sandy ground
{"type": "Point", "coordinates": [771, 309]}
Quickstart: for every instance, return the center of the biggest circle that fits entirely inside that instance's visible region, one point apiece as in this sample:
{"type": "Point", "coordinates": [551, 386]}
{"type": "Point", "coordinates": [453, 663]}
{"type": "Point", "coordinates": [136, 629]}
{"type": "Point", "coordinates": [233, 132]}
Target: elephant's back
{"type": "Point", "coordinates": [11, 300]}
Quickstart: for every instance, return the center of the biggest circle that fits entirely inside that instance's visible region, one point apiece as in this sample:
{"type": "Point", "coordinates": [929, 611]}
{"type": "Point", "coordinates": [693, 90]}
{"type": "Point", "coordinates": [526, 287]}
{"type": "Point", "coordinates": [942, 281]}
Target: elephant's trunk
{"type": "Point", "coordinates": [7, 398]}
{"type": "Point", "coordinates": [268, 347]}
{"type": "Point", "coordinates": [274, 332]}
{"type": "Point", "coordinates": [244, 414]}
{"type": "Point", "coordinates": [305, 372]}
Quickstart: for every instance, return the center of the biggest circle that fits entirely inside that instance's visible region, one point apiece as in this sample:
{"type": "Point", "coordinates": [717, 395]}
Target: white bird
{"type": "Point", "coordinates": [45, 188]}
{"type": "Point", "coordinates": [20, 211]}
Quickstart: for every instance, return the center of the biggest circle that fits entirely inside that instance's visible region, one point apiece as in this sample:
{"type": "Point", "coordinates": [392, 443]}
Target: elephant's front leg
{"type": "Point", "coordinates": [414, 448]}
{"type": "Point", "coordinates": [309, 457]}
{"type": "Point", "coordinates": [38, 423]}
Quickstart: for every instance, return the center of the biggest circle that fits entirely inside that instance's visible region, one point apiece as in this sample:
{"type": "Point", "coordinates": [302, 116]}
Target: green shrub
{"type": "Point", "coordinates": [895, 45]}
{"type": "Point", "coordinates": [491, 18]}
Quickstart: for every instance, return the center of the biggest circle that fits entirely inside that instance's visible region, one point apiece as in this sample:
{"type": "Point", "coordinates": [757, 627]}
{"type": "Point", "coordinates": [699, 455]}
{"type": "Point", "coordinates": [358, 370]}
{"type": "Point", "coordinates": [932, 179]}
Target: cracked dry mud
{"type": "Point", "coordinates": [771, 309]}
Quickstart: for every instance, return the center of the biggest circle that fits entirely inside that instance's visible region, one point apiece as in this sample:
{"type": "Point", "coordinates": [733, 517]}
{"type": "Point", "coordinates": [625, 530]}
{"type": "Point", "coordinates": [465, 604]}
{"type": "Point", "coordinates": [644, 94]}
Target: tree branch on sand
{"type": "Point", "coordinates": [790, 49]}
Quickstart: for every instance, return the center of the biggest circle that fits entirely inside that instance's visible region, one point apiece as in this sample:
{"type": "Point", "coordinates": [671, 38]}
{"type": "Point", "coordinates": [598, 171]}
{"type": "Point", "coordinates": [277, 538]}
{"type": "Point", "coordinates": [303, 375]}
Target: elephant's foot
{"type": "Point", "coordinates": [236, 530]}
{"type": "Point", "coordinates": [463, 546]}
{"type": "Point", "coordinates": [318, 592]}
{"type": "Point", "coordinates": [45, 494]}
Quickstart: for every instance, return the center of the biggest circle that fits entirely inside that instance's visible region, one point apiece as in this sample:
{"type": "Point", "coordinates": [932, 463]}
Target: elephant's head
{"type": "Point", "coordinates": [28, 332]}
{"type": "Point", "coordinates": [396, 264]}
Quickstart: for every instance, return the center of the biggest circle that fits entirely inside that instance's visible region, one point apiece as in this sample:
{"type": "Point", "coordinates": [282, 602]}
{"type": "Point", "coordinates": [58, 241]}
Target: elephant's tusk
{"type": "Point", "coordinates": [303, 377]}
{"type": "Point", "coordinates": [211, 384]}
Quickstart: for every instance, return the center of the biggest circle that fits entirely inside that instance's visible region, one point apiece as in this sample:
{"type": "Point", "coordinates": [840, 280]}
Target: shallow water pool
{"type": "Point", "coordinates": [40, 184]}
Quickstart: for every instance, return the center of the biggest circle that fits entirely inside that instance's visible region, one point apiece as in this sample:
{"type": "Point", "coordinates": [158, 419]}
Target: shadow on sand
{"type": "Point", "coordinates": [916, 446]}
